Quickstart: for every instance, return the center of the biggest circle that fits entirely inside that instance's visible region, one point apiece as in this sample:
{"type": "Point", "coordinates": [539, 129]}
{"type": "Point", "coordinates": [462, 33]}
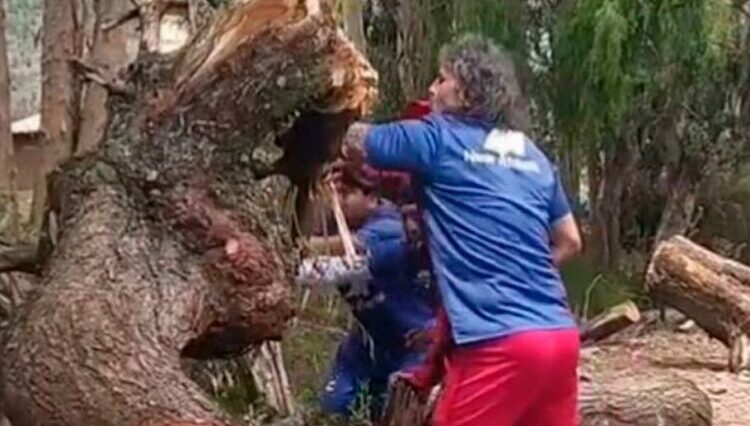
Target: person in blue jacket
{"type": "Point", "coordinates": [393, 304]}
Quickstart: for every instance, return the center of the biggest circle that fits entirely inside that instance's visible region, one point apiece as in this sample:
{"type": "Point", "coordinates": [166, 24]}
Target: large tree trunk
{"type": "Point", "coordinates": [711, 290]}
{"type": "Point", "coordinates": [171, 243]}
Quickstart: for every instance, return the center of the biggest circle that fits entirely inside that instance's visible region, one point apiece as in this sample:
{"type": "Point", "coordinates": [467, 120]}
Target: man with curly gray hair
{"type": "Point", "coordinates": [499, 225]}
{"type": "Point", "coordinates": [486, 74]}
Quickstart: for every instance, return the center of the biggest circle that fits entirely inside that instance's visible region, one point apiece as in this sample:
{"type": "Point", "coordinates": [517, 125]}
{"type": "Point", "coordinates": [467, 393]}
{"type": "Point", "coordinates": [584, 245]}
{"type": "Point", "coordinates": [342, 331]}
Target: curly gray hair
{"type": "Point", "coordinates": [486, 74]}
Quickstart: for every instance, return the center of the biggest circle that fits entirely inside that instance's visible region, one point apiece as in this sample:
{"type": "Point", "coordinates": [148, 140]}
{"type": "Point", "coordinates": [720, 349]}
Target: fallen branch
{"type": "Point", "coordinates": [610, 322]}
{"type": "Point", "coordinates": [20, 257]}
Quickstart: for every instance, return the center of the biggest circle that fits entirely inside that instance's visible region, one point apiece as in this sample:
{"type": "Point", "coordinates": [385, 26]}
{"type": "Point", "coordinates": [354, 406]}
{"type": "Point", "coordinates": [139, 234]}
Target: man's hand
{"type": "Point", "coordinates": [419, 340]}
{"type": "Point", "coordinates": [353, 146]}
{"type": "Point", "coordinates": [566, 240]}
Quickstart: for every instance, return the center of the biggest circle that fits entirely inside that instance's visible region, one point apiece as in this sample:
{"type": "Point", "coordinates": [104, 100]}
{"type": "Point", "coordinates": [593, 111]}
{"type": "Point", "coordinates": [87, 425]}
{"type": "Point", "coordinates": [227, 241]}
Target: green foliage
{"type": "Point", "coordinates": [590, 292]}
{"type": "Point", "coordinates": [619, 59]}
{"type": "Point", "coordinates": [503, 21]}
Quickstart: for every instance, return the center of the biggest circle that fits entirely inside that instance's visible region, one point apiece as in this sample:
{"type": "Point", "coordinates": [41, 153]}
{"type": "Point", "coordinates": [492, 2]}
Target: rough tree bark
{"type": "Point", "coordinates": [172, 244]}
{"type": "Point", "coordinates": [711, 290]}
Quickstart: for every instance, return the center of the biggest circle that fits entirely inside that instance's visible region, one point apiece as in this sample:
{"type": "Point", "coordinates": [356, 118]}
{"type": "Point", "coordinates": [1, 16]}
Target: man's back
{"type": "Point", "coordinates": [491, 198]}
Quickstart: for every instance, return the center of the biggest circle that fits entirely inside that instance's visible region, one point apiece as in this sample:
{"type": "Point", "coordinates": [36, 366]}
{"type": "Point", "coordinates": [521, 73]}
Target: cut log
{"type": "Point", "coordinates": [623, 399]}
{"type": "Point", "coordinates": [708, 288]}
{"type": "Point", "coordinates": [172, 244]}
{"type": "Point", "coordinates": [643, 399]}
{"type": "Point", "coordinates": [610, 322]}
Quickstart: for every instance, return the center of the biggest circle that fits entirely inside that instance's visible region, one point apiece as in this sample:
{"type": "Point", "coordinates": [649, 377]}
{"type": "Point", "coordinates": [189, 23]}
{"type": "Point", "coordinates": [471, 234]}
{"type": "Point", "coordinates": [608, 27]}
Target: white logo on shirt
{"type": "Point", "coordinates": [506, 148]}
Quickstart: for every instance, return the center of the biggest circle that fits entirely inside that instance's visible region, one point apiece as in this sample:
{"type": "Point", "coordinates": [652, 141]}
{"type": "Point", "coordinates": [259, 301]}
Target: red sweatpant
{"type": "Point", "coordinates": [526, 379]}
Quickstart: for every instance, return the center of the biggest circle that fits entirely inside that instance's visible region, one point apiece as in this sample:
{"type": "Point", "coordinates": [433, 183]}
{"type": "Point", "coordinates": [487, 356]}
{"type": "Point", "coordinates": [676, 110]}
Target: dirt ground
{"type": "Point", "coordinates": [691, 355]}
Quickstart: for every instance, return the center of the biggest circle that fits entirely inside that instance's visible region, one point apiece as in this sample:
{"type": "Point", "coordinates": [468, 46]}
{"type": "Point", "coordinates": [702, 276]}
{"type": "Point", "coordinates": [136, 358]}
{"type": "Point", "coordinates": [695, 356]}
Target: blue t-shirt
{"type": "Point", "coordinates": [491, 198]}
{"type": "Point", "coordinates": [394, 302]}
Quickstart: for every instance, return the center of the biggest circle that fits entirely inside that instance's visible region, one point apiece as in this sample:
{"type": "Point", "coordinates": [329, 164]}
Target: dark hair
{"type": "Point", "coordinates": [488, 79]}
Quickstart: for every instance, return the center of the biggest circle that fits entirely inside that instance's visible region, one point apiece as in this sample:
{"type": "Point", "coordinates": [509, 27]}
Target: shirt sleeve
{"type": "Point", "coordinates": [559, 204]}
{"type": "Point", "coordinates": [408, 145]}
{"type": "Point", "coordinates": [387, 256]}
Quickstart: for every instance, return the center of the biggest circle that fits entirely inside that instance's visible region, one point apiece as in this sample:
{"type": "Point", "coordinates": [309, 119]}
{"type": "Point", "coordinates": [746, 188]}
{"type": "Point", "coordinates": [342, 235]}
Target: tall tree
{"type": "Point", "coordinates": [6, 142]}
{"type": "Point", "coordinates": [625, 79]}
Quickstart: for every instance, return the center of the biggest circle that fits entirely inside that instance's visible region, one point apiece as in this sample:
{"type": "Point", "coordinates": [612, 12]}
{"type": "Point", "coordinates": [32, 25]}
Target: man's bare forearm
{"type": "Point", "coordinates": [353, 147]}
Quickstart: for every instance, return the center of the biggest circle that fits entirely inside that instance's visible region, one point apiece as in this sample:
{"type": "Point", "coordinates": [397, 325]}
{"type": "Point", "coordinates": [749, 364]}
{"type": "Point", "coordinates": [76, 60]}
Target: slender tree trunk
{"type": "Point", "coordinates": [594, 238]}
{"type": "Point", "coordinates": [678, 212]}
{"type": "Point", "coordinates": [416, 51]}
{"type": "Point", "coordinates": [112, 50]}
{"type": "Point", "coordinates": [570, 172]}
{"type": "Point", "coordinates": [8, 206]}
{"type": "Point", "coordinates": [354, 24]}
{"type": "Point", "coordinates": [61, 42]}
{"type": "Point", "coordinates": [6, 142]}
{"type": "Point", "coordinates": [172, 242]}
{"type": "Point", "coordinates": [617, 165]}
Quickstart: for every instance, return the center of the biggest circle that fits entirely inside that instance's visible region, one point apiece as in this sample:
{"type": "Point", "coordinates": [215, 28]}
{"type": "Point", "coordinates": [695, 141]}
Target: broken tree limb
{"type": "Point", "coordinates": [610, 322]}
{"type": "Point", "coordinates": [171, 243]}
{"type": "Point", "coordinates": [708, 288]}
{"type": "Point", "coordinates": [269, 374]}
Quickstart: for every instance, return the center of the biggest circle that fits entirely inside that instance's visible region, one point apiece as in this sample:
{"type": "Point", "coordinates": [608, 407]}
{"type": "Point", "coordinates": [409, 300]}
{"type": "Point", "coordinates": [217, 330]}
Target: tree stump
{"type": "Point", "coordinates": [173, 241]}
{"type": "Point", "coordinates": [710, 289]}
